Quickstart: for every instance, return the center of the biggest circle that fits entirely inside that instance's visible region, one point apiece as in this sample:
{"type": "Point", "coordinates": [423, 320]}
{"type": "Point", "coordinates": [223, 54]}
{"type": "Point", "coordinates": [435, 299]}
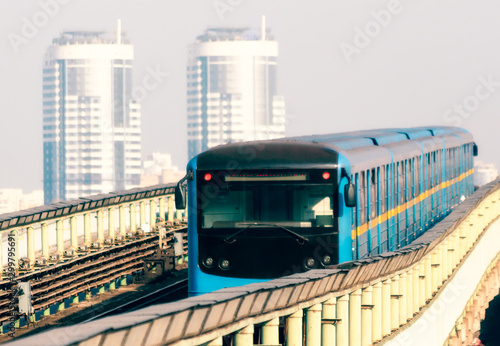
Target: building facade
{"type": "Point", "coordinates": [91, 124]}
{"type": "Point", "coordinates": [232, 88]}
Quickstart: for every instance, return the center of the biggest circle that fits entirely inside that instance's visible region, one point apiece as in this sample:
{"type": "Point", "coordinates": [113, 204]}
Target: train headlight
{"type": "Point", "coordinates": [224, 264]}
{"type": "Point", "coordinates": [327, 260]}
{"type": "Point", "coordinates": [208, 262]}
{"type": "Point", "coordinates": [310, 263]}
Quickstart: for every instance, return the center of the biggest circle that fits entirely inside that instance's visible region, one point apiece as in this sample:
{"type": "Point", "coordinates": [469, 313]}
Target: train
{"type": "Point", "coordinates": [264, 209]}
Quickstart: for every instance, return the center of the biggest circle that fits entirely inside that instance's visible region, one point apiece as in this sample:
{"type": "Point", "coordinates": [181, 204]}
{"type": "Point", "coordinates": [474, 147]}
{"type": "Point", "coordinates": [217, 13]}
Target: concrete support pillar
{"type": "Point", "coordinates": [386, 307]}
{"type": "Point", "coordinates": [313, 325]}
{"type": "Point", "coordinates": [73, 232]}
{"type": "Point", "coordinates": [178, 214]}
{"type": "Point", "coordinates": [123, 223]}
{"type": "Point", "coordinates": [409, 294]}
{"type": "Point", "coordinates": [170, 206]}
{"type": "Point", "coordinates": [294, 328]}
{"type": "Point", "coordinates": [343, 315]}
{"type": "Point", "coordinates": [100, 227]}
{"type": "Point", "coordinates": [366, 316]}
{"type": "Point", "coordinates": [152, 213]}
{"type": "Point", "coordinates": [60, 236]}
{"type": "Point", "coordinates": [428, 278]}
{"type": "Point", "coordinates": [435, 270]}
{"type": "Point", "coordinates": [329, 329]}
{"type": "Point", "coordinates": [395, 295]}
{"type": "Point", "coordinates": [162, 207]}
{"type": "Point", "coordinates": [123, 281]}
{"type": "Point", "coordinates": [244, 337]}
{"type": "Point", "coordinates": [270, 332]}
{"type": "Point", "coordinates": [421, 285]}
{"type": "Point", "coordinates": [402, 298]}
{"type": "Point", "coordinates": [31, 245]}
{"type": "Point", "coordinates": [355, 318]}
{"type": "Point", "coordinates": [61, 306]}
{"type": "Point", "coordinates": [377, 312]}
{"type": "Point", "coordinates": [75, 300]}
{"type": "Point", "coordinates": [111, 223]}
{"type": "Point", "coordinates": [87, 237]}
{"type": "Point", "coordinates": [45, 240]}
{"type": "Point", "coordinates": [142, 212]}
{"type": "Point", "coordinates": [133, 218]}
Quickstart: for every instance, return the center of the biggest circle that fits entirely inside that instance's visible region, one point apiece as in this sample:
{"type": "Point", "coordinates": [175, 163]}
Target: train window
{"type": "Point", "coordinates": [428, 171]}
{"type": "Point", "coordinates": [401, 182]}
{"type": "Point", "coordinates": [354, 210]}
{"type": "Point", "coordinates": [417, 176]}
{"type": "Point", "coordinates": [383, 189]}
{"type": "Point", "coordinates": [362, 198]}
{"type": "Point", "coordinates": [293, 205]}
{"type": "Point", "coordinates": [373, 194]}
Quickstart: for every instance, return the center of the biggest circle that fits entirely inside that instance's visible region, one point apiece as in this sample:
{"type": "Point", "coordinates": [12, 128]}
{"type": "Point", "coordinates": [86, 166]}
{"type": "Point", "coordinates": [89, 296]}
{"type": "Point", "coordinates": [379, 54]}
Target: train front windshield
{"type": "Point", "coordinates": [265, 224]}
{"type": "Point", "coordinates": [260, 200]}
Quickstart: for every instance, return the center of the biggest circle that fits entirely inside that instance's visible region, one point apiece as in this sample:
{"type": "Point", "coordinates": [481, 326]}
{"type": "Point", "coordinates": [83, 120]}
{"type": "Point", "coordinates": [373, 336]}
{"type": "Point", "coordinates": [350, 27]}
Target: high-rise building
{"type": "Point", "coordinates": [232, 88]}
{"type": "Point", "coordinates": [91, 124]}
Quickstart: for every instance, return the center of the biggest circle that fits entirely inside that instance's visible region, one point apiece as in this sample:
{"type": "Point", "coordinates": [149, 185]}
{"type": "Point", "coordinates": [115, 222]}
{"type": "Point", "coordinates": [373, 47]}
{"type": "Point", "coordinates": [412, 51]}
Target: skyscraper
{"type": "Point", "coordinates": [232, 88]}
{"type": "Point", "coordinates": [91, 124]}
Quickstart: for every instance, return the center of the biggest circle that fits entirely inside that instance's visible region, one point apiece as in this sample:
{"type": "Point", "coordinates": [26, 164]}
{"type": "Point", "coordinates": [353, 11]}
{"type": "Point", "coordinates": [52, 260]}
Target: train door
{"type": "Point", "coordinates": [373, 235]}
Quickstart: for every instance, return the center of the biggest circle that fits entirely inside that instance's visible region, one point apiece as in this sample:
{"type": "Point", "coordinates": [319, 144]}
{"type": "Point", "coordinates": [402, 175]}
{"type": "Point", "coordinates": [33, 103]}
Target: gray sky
{"type": "Point", "coordinates": [343, 65]}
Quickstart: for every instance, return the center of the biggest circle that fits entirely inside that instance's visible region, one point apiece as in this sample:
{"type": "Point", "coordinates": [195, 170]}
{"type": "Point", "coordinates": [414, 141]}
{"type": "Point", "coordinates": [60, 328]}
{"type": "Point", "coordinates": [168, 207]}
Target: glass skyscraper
{"type": "Point", "coordinates": [91, 124]}
{"type": "Point", "coordinates": [232, 88]}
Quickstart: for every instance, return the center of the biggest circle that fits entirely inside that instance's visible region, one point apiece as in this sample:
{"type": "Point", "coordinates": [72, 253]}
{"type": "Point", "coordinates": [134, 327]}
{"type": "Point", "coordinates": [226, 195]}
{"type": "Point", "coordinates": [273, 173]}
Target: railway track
{"type": "Point", "coordinates": [165, 294]}
{"type": "Point", "coordinates": [72, 276]}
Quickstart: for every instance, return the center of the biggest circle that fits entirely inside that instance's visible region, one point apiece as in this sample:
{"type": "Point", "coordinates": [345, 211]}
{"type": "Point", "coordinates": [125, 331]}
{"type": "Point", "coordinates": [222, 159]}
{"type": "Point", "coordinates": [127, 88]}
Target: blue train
{"type": "Point", "coordinates": [265, 209]}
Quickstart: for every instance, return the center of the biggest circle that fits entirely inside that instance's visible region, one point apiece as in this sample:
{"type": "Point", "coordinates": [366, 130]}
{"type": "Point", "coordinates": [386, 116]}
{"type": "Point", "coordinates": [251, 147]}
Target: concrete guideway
{"type": "Point", "coordinates": [376, 299]}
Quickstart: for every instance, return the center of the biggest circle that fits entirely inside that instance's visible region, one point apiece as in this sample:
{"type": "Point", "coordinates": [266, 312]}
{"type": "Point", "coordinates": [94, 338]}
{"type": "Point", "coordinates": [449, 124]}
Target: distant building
{"type": "Point", "coordinates": [232, 88]}
{"type": "Point", "coordinates": [484, 173]}
{"type": "Point", "coordinates": [91, 124]}
{"type": "Point", "coordinates": [158, 169]}
{"type": "Point", "coordinates": [12, 200]}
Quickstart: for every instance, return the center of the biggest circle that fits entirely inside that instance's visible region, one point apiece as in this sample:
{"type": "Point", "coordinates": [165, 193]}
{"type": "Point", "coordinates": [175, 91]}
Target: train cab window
{"type": "Point", "coordinates": [291, 205]}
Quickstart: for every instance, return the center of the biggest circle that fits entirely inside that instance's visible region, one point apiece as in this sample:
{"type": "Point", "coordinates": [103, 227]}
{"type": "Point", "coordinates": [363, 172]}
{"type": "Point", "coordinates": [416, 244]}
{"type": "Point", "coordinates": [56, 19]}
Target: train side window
{"type": "Point", "coordinates": [354, 210]}
{"type": "Point", "coordinates": [428, 171]}
{"type": "Point", "coordinates": [373, 194]}
{"type": "Point", "coordinates": [401, 182]}
{"type": "Point", "coordinates": [417, 176]}
{"type": "Point", "coordinates": [362, 198]}
{"type": "Point", "coordinates": [383, 189]}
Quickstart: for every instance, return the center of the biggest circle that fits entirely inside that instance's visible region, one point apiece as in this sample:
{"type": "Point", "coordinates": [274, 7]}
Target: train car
{"type": "Point", "coordinates": [264, 209]}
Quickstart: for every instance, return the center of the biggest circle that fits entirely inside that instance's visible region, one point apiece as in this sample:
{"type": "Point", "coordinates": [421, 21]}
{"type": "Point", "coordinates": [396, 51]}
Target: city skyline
{"type": "Point", "coordinates": [343, 67]}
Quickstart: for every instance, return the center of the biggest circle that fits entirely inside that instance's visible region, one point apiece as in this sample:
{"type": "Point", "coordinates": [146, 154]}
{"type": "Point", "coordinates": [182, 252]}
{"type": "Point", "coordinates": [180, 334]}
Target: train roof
{"type": "Point", "coordinates": [363, 148]}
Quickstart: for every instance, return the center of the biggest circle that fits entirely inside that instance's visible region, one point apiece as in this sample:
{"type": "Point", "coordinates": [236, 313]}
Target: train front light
{"type": "Point", "coordinates": [327, 260]}
{"type": "Point", "coordinates": [208, 262]}
{"type": "Point", "coordinates": [224, 264]}
{"type": "Point", "coordinates": [310, 263]}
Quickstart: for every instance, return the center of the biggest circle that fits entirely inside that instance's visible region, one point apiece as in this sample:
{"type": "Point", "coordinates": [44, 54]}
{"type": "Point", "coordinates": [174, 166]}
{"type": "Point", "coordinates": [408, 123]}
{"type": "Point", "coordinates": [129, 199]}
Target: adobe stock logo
{"type": "Point", "coordinates": [363, 37]}
{"type": "Point", "coordinates": [31, 26]}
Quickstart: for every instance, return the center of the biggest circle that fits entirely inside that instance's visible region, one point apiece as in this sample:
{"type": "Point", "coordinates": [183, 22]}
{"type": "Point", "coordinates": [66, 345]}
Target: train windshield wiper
{"type": "Point", "coordinates": [300, 239]}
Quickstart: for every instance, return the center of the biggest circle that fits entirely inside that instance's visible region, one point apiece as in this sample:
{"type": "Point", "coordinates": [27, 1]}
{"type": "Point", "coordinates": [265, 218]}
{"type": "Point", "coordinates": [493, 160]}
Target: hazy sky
{"type": "Point", "coordinates": [343, 65]}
